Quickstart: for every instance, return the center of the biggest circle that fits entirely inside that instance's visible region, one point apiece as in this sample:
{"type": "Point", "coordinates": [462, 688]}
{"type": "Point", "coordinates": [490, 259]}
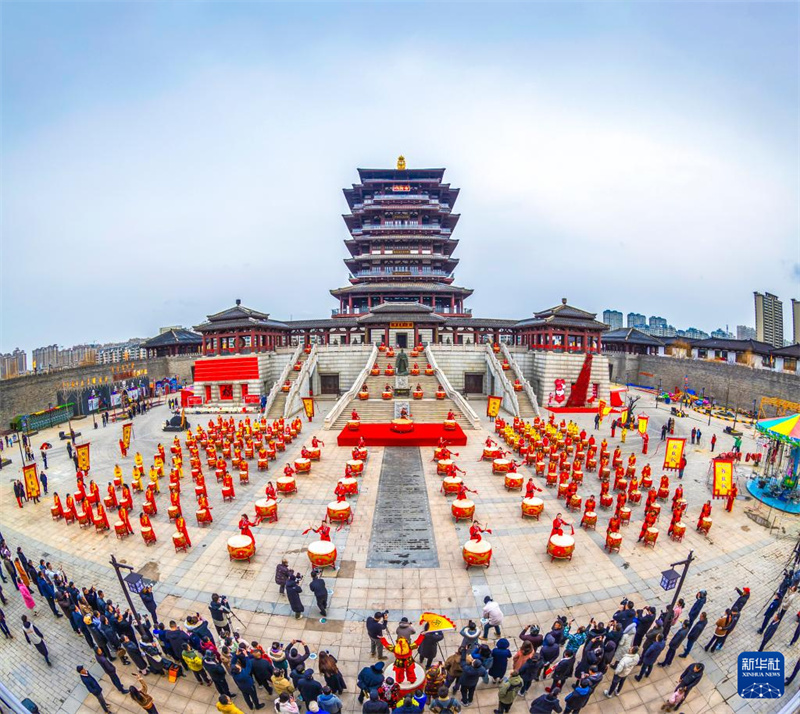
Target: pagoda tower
{"type": "Point", "coordinates": [401, 245]}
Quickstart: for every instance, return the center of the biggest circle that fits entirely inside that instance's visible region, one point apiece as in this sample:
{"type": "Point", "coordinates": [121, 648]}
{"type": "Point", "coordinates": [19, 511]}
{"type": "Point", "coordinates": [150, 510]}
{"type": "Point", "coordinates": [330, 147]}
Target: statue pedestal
{"type": "Point", "coordinates": [401, 388]}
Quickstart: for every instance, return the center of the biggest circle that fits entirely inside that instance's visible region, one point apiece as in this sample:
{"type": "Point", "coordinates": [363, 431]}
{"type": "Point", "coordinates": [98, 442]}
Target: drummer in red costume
{"type": "Point", "coordinates": [677, 497]}
{"type": "Point", "coordinates": [613, 525]}
{"type": "Point", "coordinates": [452, 470]}
{"type": "Point", "coordinates": [490, 442]}
{"type": "Point", "coordinates": [288, 471]}
{"type": "Point", "coordinates": [475, 531]}
{"type": "Point", "coordinates": [315, 442]}
{"type": "Point", "coordinates": [572, 489]}
{"type": "Point", "coordinates": [461, 494]}
{"type": "Point", "coordinates": [354, 416]}
{"type": "Point", "coordinates": [705, 512]}
{"type": "Point", "coordinates": [622, 499]}
{"type": "Point", "coordinates": [649, 521]}
{"type": "Point", "coordinates": [731, 498]}
{"type": "Point", "coordinates": [270, 491]}
{"type": "Point", "coordinates": [180, 526]}
{"type": "Point", "coordinates": [651, 498]}
{"type": "Point", "coordinates": [451, 416]}
{"type": "Point", "coordinates": [558, 522]}
{"type": "Point", "coordinates": [144, 521]}
{"type": "Point", "coordinates": [126, 521]}
{"type": "Point", "coordinates": [676, 518]}
{"type": "Point", "coordinates": [323, 531]}
{"type": "Point", "coordinates": [340, 492]}
{"type": "Point", "coordinates": [245, 524]}
{"type": "Point", "coordinates": [531, 488]}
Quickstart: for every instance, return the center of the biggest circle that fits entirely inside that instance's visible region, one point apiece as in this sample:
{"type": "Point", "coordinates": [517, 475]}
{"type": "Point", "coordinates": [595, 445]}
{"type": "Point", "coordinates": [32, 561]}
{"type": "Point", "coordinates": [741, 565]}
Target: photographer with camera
{"type": "Point", "coordinates": [376, 626]}
{"type": "Point", "coordinates": [221, 614]}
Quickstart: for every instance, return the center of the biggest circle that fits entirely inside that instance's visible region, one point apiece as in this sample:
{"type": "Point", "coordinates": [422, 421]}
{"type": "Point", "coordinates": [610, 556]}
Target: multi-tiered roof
{"type": "Point", "coordinates": [401, 245]}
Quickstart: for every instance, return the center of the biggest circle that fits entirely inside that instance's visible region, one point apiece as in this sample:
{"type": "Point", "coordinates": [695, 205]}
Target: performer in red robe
{"type": "Point", "coordinates": [731, 498]}
{"type": "Point", "coordinates": [340, 492]}
{"type": "Point", "coordinates": [101, 519]}
{"type": "Point", "coordinates": [622, 499]}
{"type": "Point", "coordinates": [462, 492]}
{"type": "Point", "coordinates": [475, 531]}
{"type": "Point", "coordinates": [613, 525]}
{"type": "Point", "coordinates": [354, 416]}
{"type": "Point", "coordinates": [649, 521]}
{"type": "Point", "coordinates": [403, 652]}
{"type": "Point", "coordinates": [180, 526]}
{"type": "Point", "coordinates": [112, 495]}
{"type": "Point", "coordinates": [288, 471]}
{"type": "Point", "coordinates": [705, 512]}
{"type": "Point", "coordinates": [144, 521]}
{"type": "Point", "coordinates": [531, 488]}
{"type": "Point", "coordinates": [57, 504]}
{"type": "Point", "coordinates": [589, 506]}
{"type": "Point", "coordinates": [676, 518]}
{"type": "Point", "coordinates": [127, 500]}
{"type": "Point", "coordinates": [677, 497]}
{"type": "Point", "coordinates": [315, 442]}
{"type": "Point", "coordinates": [126, 521]}
{"type": "Point", "coordinates": [558, 522]}
{"type": "Point", "coordinates": [270, 491]}
{"type": "Point", "coordinates": [323, 531]}
{"type": "Point", "coordinates": [245, 524]}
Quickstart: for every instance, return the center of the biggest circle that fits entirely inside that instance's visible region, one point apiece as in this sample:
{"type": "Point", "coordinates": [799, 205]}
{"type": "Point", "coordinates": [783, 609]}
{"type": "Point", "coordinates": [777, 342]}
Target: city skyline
{"type": "Point", "coordinates": [181, 174]}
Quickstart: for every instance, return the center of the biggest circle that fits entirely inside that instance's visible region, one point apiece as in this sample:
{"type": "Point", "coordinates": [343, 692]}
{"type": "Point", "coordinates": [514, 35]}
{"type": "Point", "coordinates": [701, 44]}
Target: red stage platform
{"type": "Point", "coordinates": [382, 435]}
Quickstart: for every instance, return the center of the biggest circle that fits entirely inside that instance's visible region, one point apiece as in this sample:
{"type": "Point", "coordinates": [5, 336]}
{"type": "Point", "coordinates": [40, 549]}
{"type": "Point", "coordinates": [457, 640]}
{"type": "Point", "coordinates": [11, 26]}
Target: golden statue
{"type": "Point", "coordinates": [401, 163]}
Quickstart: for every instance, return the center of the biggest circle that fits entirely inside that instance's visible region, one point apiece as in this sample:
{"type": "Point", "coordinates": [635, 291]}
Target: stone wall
{"type": "Point", "coordinates": [457, 360]}
{"type": "Point", "coordinates": [736, 384]}
{"type": "Point", "coordinates": [347, 362]}
{"type": "Point", "coordinates": [32, 393]}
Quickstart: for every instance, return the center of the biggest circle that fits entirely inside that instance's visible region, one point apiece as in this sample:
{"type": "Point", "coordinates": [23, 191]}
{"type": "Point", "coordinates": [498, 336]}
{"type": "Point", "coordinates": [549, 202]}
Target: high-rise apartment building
{"type": "Point", "coordinates": [45, 358]}
{"type": "Point", "coordinates": [769, 319]}
{"type": "Point", "coordinates": [657, 323]}
{"type": "Point", "coordinates": [612, 318]}
{"type": "Point", "coordinates": [743, 332]}
{"type": "Point", "coordinates": [795, 321]}
{"type": "Point", "coordinates": [635, 319]}
{"type": "Point", "coordinates": [13, 364]}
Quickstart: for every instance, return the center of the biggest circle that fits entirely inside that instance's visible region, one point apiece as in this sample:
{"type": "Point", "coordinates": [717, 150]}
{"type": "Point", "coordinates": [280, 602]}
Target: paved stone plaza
{"type": "Point", "coordinates": [528, 587]}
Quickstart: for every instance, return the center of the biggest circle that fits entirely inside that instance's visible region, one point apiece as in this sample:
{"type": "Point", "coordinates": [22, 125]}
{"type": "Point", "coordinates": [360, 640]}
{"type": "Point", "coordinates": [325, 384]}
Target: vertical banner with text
{"type": "Point", "coordinates": [31, 481]}
{"type": "Point", "coordinates": [82, 452]}
{"type": "Point", "coordinates": [308, 405]}
{"type": "Point", "coordinates": [723, 477]}
{"type": "Point", "coordinates": [673, 454]}
{"type": "Point", "coordinates": [493, 406]}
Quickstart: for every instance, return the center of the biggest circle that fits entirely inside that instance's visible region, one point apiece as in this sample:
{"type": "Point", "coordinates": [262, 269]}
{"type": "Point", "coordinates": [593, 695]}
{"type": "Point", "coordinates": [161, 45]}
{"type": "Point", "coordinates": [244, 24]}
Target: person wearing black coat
{"type": "Point", "coordinates": [293, 591]}
{"type": "Point", "coordinates": [563, 670]}
{"type": "Point", "coordinates": [109, 669]}
{"type": "Point", "coordinates": [472, 674]}
{"type": "Point", "coordinates": [100, 640]}
{"type": "Point", "coordinates": [694, 634]}
{"type": "Point", "coordinates": [309, 687]}
{"type": "Point", "coordinates": [550, 650]}
{"type": "Point", "coordinates": [697, 606]}
{"type": "Point", "coordinates": [294, 657]}
{"type": "Point", "coordinates": [530, 670]}
{"type": "Point", "coordinates": [66, 607]}
{"type": "Point", "coordinates": [134, 653]}
{"type": "Point", "coordinates": [772, 608]}
{"type": "Point", "coordinates": [741, 601]}
{"type": "Point", "coordinates": [643, 624]}
{"type": "Point", "coordinates": [691, 676]}
{"type": "Point", "coordinates": [217, 674]}
{"type": "Point", "coordinates": [149, 602]}
{"type": "Point", "coordinates": [282, 574]}
{"type": "Point", "coordinates": [650, 657]}
{"type": "Point", "coordinates": [769, 632]}
{"type": "Point", "coordinates": [48, 592]}
{"type": "Point", "coordinates": [12, 571]}
{"type": "Point", "coordinates": [667, 620]}
{"type": "Point", "coordinates": [112, 638]}
{"type": "Point", "coordinates": [579, 697]}
{"type": "Point", "coordinates": [176, 639]}
{"type": "Point", "coordinates": [625, 615]}
{"type": "Point", "coordinates": [77, 618]}
{"type": "Point", "coordinates": [155, 662]}
{"type": "Point", "coordinates": [592, 656]}
{"type": "Point", "coordinates": [674, 643]}
{"type": "Point", "coordinates": [320, 590]}
{"type": "Point", "coordinates": [244, 680]}
{"type": "Point", "coordinates": [547, 703]}
{"type": "Point", "coordinates": [374, 705]}
{"type": "Point", "coordinates": [92, 686]}
{"type": "Point", "coordinates": [428, 648]}
{"type": "Point", "coordinates": [609, 653]}
{"type": "Point", "coordinates": [532, 634]}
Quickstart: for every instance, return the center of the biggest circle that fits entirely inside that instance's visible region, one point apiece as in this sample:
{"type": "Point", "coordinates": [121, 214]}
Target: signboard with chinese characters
{"type": "Point", "coordinates": [760, 675]}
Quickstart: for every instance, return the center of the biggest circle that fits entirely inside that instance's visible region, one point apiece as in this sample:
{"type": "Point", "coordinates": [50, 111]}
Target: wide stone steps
{"type": "Point", "coordinates": [276, 410]}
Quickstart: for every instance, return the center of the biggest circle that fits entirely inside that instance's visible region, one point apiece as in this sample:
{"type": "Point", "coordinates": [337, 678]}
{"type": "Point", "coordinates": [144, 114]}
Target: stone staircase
{"type": "Point", "coordinates": [425, 410]}
{"type": "Point", "coordinates": [278, 406]}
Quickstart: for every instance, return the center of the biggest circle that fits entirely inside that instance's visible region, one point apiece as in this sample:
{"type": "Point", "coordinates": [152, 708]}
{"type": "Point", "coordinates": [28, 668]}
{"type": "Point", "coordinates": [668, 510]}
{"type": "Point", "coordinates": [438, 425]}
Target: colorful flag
{"type": "Point", "coordinates": [623, 416]}
{"type": "Point", "coordinates": [436, 621]}
{"type": "Point", "coordinates": [673, 454]}
{"type": "Point", "coordinates": [601, 405]}
{"type": "Point", "coordinates": [31, 481]}
{"type": "Point", "coordinates": [723, 477]}
{"type": "Point", "coordinates": [643, 420]}
{"type": "Point", "coordinates": [126, 434]}
{"type": "Point", "coordinates": [308, 405]}
{"type": "Point", "coordinates": [82, 452]}
{"type": "Point", "coordinates": [493, 405]}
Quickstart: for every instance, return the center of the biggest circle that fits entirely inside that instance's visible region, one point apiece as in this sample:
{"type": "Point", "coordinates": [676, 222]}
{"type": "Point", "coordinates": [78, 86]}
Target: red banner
{"type": "Point", "coordinates": [673, 454]}
{"type": "Point", "coordinates": [194, 401]}
{"type": "Point", "coordinates": [723, 477]}
{"type": "Point", "coordinates": [493, 406]}
{"type": "Point", "coordinates": [31, 481]}
{"type": "Point", "coordinates": [82, 452]}
{"type": "Point", "coordinates": [252, 398]}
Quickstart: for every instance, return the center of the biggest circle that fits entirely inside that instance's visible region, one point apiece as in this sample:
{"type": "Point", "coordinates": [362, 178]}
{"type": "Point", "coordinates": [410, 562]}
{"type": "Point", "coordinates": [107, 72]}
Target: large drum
{"type": "Point", "coordinates": [500, 466]}
{"type": "Point", "coordinates": [678, 531]}
{"type": "Point", "coordinates": [350, 486]}
{"type": "Point", "coordinates": [354, 424]}
{"type": "Point", "coordinates": [656, 508]}
{"type": "Point", "coordinates": [463, 509]}
{"type": "Point", "coordinates": [532, 507]}
{"type": "Point", "coordinates": [513, 481]}
{"type": "Point", "coordinates": [449, 424]}
{"type": "Point", "coordinates": [539, 468]}
{"type": "Point", "coordinates": [646, 483]}
{"type": "Point", "coordinates": [560, 547]}
{"type": "Point", "coordinates": [625, 515]}
{"type": "Point", "coordinates": [705, 525]}
{"type": "Point", "coordinates": [577, 477]}
{"type": "Point", "coordinates": [121, 530]}
{"type": "Point", "coordinates": [360, 454]}
{"type": "Point", "coordinates": [267, 509]}
{"type": "Point", "coordinates": [173, 512]}
{"type": "Point", "coordinates": [613, 542]}
{"type": "Point", "coordinates": [477, 552]}
{"type": "Point", "coordinates": [574, 503]}
{"type": "Point", "coordinates": [339, 512]}
{"type": "Point", "coordinates": [634, 496]}
{"type": "Point", "coordinates": [589, 520]}
{"type": "Point", "coordinates": [650, 537]}
{"type": "Point", "coordinates": [148, 536]}
{"type": "Point", "coordinates": [286, 485]}
{"type": "Point", "coordinates": [314, 454]}
{"type": "Point", "coordinates": [322, 554]}
{"type": "Point", "coordinates": [438, 452]}
{"type": "Point", "coordinates": [302, 466]}
{"type": "Point", "coordinates": [591, 465]}
{"type": "Point", "coordinates": [241, 548]}
{"type": "Point", "coordinates": [562, 490]}
{"type": "Point", "coordinates": [621, 485]}
{"type": "Point", "coordinates": [263, 464]}
{"type": "Point", "coordinates": [179, 541]}
{"type": "Point", "coordinates": [451, 484]}
{"type": "Point", "coordinates": [682, 503]}
{"type": "Point", "coordinates": [663, 494]}
{"type": "Point", "coordinates": [356, 466]}
{"type": "Point", "coordinates": [491, 453]}
{"type": "Point", "coordinates": [442, 465]}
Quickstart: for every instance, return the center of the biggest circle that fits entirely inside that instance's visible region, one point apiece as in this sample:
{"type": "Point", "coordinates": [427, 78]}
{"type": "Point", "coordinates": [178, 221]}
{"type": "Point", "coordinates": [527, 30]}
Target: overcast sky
{"type": "Point", "coordinates": [161, 160]}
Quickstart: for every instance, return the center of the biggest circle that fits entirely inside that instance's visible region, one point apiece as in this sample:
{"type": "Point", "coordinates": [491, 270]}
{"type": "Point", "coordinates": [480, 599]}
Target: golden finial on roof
{"type": "Point", "coordinates": [401, 163]}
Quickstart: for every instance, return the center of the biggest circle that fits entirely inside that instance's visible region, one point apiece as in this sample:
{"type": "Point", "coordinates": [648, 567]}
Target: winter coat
{"type": "Point", "coordinates": [320, 590]}
{"type": "Point", "coordinates": [678, 638]}
{"type": "Point", "coordinates": [262, 669]}
{"type": "Point", "coordinates": [176, 639]}
{"type": "Point", "coordinates": [244, 678]}
{"type": "Point", "coordinates": [492, 612]}
{"type": "Point", "coordinates": [627, 637]}
{"type": "Point", "coordinates": [91, 684]}
{"type": "Point", "coordinates": [550, 650]}
{"type": "Point", "coordinates": [508, 689]}
{"type": "Point", "coordinates": [375, 706]}
{"type": "Point", "coordinates": [295, 658]}
{"type": "Point", "coordinates": [535, 640]}
{"type": "Point", "coordinates": [370, 678]}
{"type": "Point", "coordinates": [564, 668]}
{"type": "Point", "coordinates": [469, 638]}
{"type": "Point", "coordinates": [545, 704]}
{"type": "Point", "coordinates": [330, 703]}
{"type": "Point", "coordinates": [135, 654]}
{"type": "Point", "coordinates": [106, 664]}
{"type": "Point", "coordinates": [578, 697]}
{"type": "Point", "coordinates": [406, 631]}
{"type": "Point", "coordinates": [741, 601]}
{"type": "Point", "coordinates": [697, 630]}
{"type": "Point", "coordinates": [472, 674]}
{"type": "Point", "coordinates": [309, 687]}
{"type": "Point", "coordinates": [690, 678]}
{"type": "Point", "coordinates": [500, 656]}
{"type": "Point", "coordinates": [193, 660]}
{"type": "Point", "coordinates": [429, 645]}
{"type": "Point", "coordinates": [215, 670]}
{"type": "Point", "coordinates": [652, 653]}
{"type": "Point", "coordinates": [281, 683]}
{"type": "Point", "coordinates": [293, 591]}
{"type": "Point", "coordinates": [626, 664]}
{"type": "Point", "coordinates": [697, 608]}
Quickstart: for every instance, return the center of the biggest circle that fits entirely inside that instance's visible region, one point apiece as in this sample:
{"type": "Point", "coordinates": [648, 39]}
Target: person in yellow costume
{"type": "Point", "coordinates": [154, 479]}
{"type": "Point", "coordinates": [137, 480]}
{"type": "Point", "coordinates": [403, 652]}
{"type": "Point", "coordinates": [118, 475]}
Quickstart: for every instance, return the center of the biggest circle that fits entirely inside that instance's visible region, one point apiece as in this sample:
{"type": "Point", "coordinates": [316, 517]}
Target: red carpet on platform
{"type": "Point", "coordinates": [382, 435]}
{"type": "Point", "coordinates": [571, 410]}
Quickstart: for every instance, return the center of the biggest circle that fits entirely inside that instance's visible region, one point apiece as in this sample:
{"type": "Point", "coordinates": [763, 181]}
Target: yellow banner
{"type": "Point", "coordinates": [82, 452]}
{"type": "Point", "coordinates": [493, 405]}
{"type": "Point", "coordinates": [673, 454]}
{"type": "Point", "coordinates": [601, 406]}
{"type": "Point", "coordinates": [643, 420]}
{"type": "Point", "coordinates": [126, 434]}
{"type": "Point", "coordinates": [437, 622]}
{"type": "Point", "coordinates": [31, 481]}
{"type": "Point", "coordinates": [308, 405]}
{"type": "Point", "coordinates": [623, 416]}
{"type": "Point", "coordinates": [723, 477]}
